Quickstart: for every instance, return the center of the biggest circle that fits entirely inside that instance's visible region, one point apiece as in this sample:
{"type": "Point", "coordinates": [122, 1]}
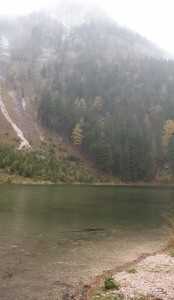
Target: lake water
{"type": "Point", "coordinates": [56, 235]}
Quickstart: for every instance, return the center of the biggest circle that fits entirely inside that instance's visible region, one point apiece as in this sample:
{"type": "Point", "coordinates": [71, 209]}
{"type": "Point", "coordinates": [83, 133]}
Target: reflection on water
{"type": "Point", "coordinates": [51, 234]}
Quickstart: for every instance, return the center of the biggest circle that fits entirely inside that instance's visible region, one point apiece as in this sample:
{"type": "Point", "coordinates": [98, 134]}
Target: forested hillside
{"type": "Point", "coordinates": [114, 111]}
{"type": "Point", "coordinates": [104, 89]}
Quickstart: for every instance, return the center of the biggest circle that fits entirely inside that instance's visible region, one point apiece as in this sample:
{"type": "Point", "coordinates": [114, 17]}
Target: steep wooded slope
{"type": "Point", "coordinates": [102, 88]}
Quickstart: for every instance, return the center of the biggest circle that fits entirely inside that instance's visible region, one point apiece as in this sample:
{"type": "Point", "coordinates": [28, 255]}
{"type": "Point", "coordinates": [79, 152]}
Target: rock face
{"type": "Point", "coordinates": [153, 277]}
{"type": "Point", "coordinates": [15, 110]}
{"type": "Point", "coordinates": [23, 142]}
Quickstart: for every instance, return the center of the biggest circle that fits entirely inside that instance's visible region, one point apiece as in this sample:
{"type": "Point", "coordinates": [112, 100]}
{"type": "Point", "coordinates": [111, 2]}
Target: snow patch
{"type": "Point", "coordinates": [4, 46]}
{"type": "Point", "coordinates": [41, 138]}
{"type": "Point", "coordinates": [4, 43]}
{"type": "Point", "coordinates": [47, 54]}
{"type": "Point", "coordinates": [24, 143]}
{"type": "Point", "coordinates": [23, 103]}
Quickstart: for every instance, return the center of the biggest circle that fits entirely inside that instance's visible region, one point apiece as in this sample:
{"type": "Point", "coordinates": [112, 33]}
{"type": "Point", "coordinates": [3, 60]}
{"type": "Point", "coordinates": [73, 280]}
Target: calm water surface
{"type": "Point", "coordinates": [51, 235]}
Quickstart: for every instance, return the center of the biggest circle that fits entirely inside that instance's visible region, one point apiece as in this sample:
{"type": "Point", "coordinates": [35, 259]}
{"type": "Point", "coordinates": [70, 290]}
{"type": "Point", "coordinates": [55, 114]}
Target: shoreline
{"type": "Point", "coordinates": [156, 264]}
{"type": "Point", "coordinates": [20, 180]}
{"type": "Point", "coordinates": [96, 283]}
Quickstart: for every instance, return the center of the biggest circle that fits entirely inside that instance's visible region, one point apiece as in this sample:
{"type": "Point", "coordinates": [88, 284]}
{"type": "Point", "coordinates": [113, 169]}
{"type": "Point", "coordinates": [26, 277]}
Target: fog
{"type": "Point", "coordinates": [152, 19]}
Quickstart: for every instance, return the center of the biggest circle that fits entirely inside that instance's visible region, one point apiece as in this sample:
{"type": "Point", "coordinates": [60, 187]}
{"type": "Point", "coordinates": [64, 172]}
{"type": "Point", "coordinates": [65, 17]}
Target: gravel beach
{"type": "Point", "coordinates": [152, 277]}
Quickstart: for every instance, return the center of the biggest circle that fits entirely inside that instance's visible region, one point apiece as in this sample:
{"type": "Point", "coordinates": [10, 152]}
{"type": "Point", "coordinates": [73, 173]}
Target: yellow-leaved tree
{"type": "Point", "coordinates": [168, 131]}
{"type": "Point", "coordinates": [77, 133]}
{"type": "Point", "coordinates": [98, 103]}
{"type": "Point", "coordinates": [81, 103]}
{"type": "Point", "coordinates": [163, 93]}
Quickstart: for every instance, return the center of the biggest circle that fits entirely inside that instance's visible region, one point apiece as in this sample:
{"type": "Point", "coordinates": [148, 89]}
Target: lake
{"type": "Point", "coordinates": [53, 236]}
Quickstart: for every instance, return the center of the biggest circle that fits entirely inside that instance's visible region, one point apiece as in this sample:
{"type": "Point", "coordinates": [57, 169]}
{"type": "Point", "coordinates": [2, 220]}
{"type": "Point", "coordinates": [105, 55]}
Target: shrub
{"type": "Point", "coordinates": [110, 284]}
{"type": "Point", "coordinates": [171, 253]}
{"type": "Point", "coordinates": [72, 157]}
{"type": "Point", "coordinates": [170, 230]}
{"type": "Point", "coordinates": [131, 271]}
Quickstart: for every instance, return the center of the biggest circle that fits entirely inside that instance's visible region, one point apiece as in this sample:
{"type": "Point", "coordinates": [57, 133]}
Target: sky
{"type": "Point", "coordinates": [151, 18]}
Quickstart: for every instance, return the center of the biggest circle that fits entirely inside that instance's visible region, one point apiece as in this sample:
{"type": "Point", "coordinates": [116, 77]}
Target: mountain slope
{"type": "Point", "coordinates": [100, 87]}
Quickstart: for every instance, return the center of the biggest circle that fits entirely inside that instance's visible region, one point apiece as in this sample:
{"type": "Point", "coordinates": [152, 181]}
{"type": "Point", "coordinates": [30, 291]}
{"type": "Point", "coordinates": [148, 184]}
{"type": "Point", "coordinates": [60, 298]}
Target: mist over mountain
{"type": "Point", "coordinates": [74, 13]}
{"type": "Point", "coordinates": [100, 88]}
